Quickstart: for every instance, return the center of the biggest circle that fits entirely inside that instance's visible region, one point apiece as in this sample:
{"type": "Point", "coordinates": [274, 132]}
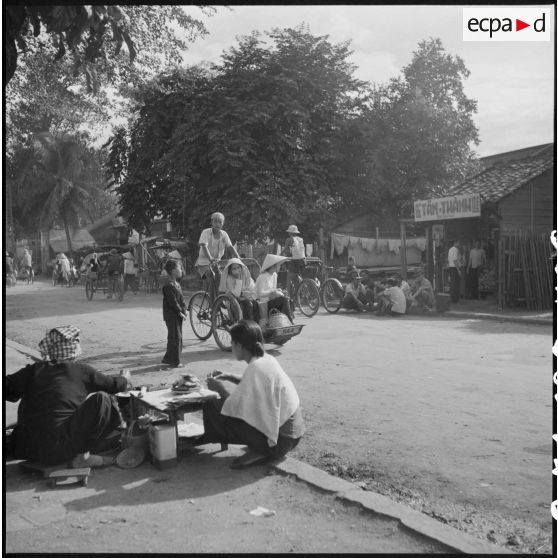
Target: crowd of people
{"type": "Point", "coordinates": [465, 263]}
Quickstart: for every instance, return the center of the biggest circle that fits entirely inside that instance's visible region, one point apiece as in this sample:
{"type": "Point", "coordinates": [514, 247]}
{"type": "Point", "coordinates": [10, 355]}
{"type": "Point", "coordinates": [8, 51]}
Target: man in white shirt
{"type": "Point", "coordinates": [477, 260]}
{"type": "Point", "coordinates": [454, 273]}
{"type": "Point", "coordinates": [391, 300]}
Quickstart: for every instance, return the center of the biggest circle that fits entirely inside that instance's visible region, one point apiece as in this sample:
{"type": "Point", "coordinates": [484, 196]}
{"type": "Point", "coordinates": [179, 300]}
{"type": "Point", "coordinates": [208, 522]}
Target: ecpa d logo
{"type": "Point", "coordinates": [507, 24]}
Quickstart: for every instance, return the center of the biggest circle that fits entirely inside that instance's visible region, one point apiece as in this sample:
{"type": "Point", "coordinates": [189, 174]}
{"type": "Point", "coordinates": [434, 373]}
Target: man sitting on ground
{"type": "Point", "coordinates": [422, 293]}
{"type": "Point", "coordinates": [66, 413]}
{"type": "Point", "coordinates": [355, 294]}
{"type": "Point", "coordinates": [391, 300]}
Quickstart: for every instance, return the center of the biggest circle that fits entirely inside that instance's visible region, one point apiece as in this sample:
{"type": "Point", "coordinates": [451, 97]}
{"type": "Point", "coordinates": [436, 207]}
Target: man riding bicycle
{"type": "Point", "coordinates": [213, 242]}
{"type": "Point", "coordinates": [26, 264]}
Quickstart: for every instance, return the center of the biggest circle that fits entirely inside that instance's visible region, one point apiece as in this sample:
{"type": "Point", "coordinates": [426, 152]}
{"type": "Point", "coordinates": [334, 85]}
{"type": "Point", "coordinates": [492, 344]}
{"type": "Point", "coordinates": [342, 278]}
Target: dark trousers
{"type": "Point", "coordinates": [91, 428]}
{"type": "Point", "coordinates": [174, 341]}
{"type": "Point", "coordinates": [455, 284]}
{"type": "Point", "coordinates": [229, 430]}
{"type": "Point", "coordinates": [250, 309]}
{"type": "Point", "coordinates": [474, 282]}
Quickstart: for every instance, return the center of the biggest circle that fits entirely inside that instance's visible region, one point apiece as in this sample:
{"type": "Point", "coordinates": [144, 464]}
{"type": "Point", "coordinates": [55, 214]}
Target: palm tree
{"type": "Point", "coordinates": [62, 180]}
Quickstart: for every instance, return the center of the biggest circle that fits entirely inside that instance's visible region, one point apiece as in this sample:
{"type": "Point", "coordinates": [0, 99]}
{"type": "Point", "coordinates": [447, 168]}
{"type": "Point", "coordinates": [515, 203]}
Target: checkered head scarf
{"type": "Point", "coordinates": [61, 343]}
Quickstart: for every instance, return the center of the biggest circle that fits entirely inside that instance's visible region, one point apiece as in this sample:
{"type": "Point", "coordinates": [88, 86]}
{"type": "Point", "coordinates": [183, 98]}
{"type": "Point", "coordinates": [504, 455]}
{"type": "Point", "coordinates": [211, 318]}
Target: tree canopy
{"type": "Point", "coordinates": [281, 131]}
{"type": "Point", "coordinates": [258, 136]}
{"type": "Point", "coordinates": [93, 36]}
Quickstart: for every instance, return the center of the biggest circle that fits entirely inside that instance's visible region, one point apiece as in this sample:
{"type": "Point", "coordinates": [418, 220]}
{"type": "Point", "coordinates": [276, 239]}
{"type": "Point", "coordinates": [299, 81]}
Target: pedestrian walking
{"type": "Point", "coordinates": [174, 313]}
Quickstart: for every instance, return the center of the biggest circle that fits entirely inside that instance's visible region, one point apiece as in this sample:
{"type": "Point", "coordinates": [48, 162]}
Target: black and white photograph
{"type": "Point", "coordinates": [279, 279]}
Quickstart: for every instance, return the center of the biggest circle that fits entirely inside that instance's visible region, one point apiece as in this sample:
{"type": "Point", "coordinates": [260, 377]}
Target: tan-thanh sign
{"type": "Point", "coordinates": [454, 207]}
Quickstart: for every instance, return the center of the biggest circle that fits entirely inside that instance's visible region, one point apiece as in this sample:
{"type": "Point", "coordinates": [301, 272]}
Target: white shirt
{"type": "Point", "coordinates": [265, 398]}
{"type": "Point", "coordinates": [453, 255]}
{"type": "Point", "coordinates": [397, 298]}
{"type": "Point", "coordinates": [216, 246]}
{"type": "Point", "coordinates": [128, 266]}
{"type": "Point", "coordinates": [265, 284]}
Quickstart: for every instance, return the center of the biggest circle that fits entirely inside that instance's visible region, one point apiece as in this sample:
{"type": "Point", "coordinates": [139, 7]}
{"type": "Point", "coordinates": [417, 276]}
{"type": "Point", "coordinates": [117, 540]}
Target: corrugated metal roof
{"type": "Point", "coordinates": [501, 180]}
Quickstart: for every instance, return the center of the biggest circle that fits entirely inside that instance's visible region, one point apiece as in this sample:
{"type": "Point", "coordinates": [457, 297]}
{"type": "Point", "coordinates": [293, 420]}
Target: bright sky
{"type": "Point", "coordinates": [513, 82]}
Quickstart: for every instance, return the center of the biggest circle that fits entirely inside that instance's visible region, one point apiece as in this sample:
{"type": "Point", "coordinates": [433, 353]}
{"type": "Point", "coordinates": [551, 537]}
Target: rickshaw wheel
{"type": "Point", "coordinates": [199, 310]}
{"type": "Point", "coordinates": [332, 295]}
{"type": "Point", "coordinates": [225, 312]}
{"type": "Point", "coordinates": [308, 297]}
{"type": "Point", "coordinates": [89, 290]}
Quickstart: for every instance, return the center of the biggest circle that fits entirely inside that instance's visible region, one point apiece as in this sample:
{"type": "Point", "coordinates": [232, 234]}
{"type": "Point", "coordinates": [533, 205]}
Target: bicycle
{"type": "Point", "coordinates": [305, 292]}
{"type": "Point", "coordinates": [201, 302]}
{"type": "Point", "coordinates": [27, 275]}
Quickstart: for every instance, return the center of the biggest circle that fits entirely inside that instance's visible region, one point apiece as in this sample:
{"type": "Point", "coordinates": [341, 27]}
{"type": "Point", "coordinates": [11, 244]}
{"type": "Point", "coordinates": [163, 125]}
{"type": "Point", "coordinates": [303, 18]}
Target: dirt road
{"type": "Point", "coordinates": [452, 417]}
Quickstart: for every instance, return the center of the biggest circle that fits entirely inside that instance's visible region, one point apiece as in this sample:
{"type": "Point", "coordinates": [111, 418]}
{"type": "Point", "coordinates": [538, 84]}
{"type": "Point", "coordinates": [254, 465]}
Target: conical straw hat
{"type": "Point", "coordinates": [272, 259]}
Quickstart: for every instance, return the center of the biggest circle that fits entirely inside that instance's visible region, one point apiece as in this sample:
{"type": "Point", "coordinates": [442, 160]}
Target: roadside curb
{"type": "Point", "coordinates": [373, 502]}
{"type": "Point", "coordinates": [376, 503]}
{"type": "Point", "coordinates": [498, 317]}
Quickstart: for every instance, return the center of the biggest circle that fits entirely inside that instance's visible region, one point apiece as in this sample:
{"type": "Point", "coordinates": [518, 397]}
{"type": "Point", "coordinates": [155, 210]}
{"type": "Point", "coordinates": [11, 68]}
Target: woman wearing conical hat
{"type": "Point", "coordinates": [266, 286]}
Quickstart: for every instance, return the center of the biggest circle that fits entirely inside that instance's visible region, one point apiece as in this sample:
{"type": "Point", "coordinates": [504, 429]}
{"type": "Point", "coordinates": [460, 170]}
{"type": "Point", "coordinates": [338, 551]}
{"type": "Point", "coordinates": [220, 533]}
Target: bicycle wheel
{"type": "Point", "coordinates": [89, 289]}
{"type": "Point", "coordinates": [332, 295]}
{"type": "Point", "coordinates": [225, 312]}
{"type": "Point", "coordinates": [199, 310]}
{"type": "Point", "coordinates": [308, 297]}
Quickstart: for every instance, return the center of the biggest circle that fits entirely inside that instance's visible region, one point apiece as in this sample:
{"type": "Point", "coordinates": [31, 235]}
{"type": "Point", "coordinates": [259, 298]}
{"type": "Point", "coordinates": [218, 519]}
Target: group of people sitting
{"type": "Point", "coordinates": [390, 297]}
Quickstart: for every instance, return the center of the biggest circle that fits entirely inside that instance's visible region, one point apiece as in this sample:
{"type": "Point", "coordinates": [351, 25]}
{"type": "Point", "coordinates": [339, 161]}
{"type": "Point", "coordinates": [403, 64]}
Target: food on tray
{"type": "Point", "coordinates": [186, 384]}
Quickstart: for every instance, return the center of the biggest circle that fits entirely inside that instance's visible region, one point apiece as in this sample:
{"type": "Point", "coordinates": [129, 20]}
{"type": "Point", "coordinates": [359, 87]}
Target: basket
{"type": "Point", "coordinates": [277, 319]}
{"type": "Point", "coordinates": [134, 437]}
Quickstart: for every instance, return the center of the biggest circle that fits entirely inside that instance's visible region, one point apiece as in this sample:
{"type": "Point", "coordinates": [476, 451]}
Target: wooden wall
{"type": "Point", "coordinates": [530, 208]}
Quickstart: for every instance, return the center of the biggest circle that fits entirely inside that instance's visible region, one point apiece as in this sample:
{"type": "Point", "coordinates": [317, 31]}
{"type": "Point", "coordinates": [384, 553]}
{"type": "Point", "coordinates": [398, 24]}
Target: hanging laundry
{"type": "Point", "coordinates": [382, 246]}
{"type": "Point", "coordinates": [368, 244]}
{"type": "Point", "coordinates": [339, 242]}
{"type": "Point", "coordinates": [394, 245]}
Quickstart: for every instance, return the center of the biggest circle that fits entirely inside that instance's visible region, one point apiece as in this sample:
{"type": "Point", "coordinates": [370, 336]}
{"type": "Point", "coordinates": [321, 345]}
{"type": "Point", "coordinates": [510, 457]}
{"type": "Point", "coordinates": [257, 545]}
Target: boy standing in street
{"type": "Point", "coordinates": [174, 313]}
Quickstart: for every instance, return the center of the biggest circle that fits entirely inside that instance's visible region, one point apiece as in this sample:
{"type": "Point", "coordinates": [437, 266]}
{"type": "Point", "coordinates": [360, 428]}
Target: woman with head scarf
{"type": "Point", "coordinates": [236, 280]}
{"type": "Point", "coordinates": [66, 413]}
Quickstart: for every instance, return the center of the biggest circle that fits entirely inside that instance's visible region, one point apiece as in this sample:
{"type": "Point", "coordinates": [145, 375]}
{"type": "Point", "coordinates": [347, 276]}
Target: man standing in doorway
{"type": "Point", "coordinates": [454, 272]}
{"type": "Point", "coordinates": [477, 259]}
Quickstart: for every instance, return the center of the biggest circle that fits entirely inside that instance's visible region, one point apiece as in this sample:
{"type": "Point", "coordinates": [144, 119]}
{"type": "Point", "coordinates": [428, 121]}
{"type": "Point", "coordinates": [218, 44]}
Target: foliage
{"type": "Point", "coordinates": [63, 182]}
{"type": "Point", "coordinates": [257, 136]}
{"type": "Point", "coordinates": [421, 130]}
{"type": "Point", "coordinates": [94, 35]}
{"type": "Point", "coordinates": [281, 132]}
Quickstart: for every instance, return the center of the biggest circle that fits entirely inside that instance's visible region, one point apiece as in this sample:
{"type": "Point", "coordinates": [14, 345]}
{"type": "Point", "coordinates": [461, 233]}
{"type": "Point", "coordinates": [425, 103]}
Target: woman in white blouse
{"type": "Point", "coordinates": [262, 411]}
{"type": "Point", "coordinates": [266, 286]}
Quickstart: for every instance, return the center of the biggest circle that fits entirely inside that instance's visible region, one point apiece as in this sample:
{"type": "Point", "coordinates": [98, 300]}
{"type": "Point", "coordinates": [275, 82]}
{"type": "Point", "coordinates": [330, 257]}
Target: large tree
{"type": "Point", "coordinates": [67, 53]}
{"type": "Point", "coordinates": [258, 136]}
{"type": "Point", "coordinates": [420, 131]}
{"type": "Point", "coordinates": [64, 183]}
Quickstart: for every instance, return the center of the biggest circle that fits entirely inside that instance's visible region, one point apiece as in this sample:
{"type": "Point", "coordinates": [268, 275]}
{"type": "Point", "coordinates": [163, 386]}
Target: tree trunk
{"type": "Point", "coordinates": [68, 235]}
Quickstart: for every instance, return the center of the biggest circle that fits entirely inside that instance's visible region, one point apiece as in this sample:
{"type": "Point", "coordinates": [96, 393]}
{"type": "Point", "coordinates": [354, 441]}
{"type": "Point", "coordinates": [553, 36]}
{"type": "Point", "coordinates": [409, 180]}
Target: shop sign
{"type": "Point", "coordinates": [454, 207]}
